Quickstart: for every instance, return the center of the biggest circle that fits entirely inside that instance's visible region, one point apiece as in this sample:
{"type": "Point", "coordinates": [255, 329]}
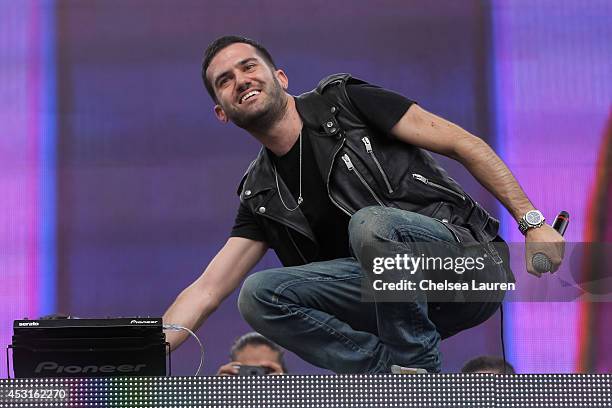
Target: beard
{"type": "Point", "coordinates": [263, 117]}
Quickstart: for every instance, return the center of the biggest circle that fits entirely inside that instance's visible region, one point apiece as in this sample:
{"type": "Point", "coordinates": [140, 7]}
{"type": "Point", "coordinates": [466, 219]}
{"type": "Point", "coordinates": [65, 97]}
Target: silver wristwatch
{"type": "Point", "coordinates": [532, 219]}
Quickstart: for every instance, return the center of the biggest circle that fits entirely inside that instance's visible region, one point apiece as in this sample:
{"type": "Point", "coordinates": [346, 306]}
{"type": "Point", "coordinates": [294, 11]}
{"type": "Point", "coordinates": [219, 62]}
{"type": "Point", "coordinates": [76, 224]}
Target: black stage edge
{"type": "Point", "coordinates": [363, 391]}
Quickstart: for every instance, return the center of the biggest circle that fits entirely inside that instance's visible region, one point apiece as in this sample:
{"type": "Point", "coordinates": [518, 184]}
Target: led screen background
{"type": "Point", "coordinates": [119, 183]}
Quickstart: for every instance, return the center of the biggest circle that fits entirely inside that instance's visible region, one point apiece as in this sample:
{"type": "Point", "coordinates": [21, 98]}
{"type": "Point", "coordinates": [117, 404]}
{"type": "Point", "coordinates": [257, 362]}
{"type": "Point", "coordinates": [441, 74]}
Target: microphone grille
{"type": "Point", "coordinates": [541, 263]}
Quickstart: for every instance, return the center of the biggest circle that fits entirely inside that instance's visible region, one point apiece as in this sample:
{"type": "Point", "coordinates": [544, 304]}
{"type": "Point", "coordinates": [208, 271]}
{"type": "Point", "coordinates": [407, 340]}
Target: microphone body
{"type": "Point", "coordinates": [561, 222]}
{"type": "Point", "coordinates": [540, 262]}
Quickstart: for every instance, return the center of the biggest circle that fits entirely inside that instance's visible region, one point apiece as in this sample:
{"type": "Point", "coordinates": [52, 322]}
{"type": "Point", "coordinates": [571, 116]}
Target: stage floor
{"type": "Point", "coordinates": [363, 391]}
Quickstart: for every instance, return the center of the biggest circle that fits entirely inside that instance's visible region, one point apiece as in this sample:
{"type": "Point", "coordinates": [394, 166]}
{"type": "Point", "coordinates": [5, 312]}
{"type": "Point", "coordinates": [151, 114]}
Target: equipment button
{"type": "Point", "coordinates": [261, 210]}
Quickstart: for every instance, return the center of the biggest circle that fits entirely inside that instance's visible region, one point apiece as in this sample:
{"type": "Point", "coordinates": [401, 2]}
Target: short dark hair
{"type": "Point", "coordinates": [256, 339]}
{"type": "Point", "coordinates": [222, 42]}
{"type": "Point", "coordinates": [488, 363]}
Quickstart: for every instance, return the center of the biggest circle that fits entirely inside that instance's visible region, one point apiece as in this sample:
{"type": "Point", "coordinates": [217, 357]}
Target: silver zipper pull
{"type": "Point", "coordinates": [347, 161]}
{"type": "Point", "coordinates": [422, 179]}
{"type": "Point", "coordinates": [367, 144]}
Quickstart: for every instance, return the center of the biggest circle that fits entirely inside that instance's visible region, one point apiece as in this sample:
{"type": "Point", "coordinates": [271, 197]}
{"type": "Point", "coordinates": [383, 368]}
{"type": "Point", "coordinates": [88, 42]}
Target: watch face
{"type": "Point", "coordinates": [533, 217]}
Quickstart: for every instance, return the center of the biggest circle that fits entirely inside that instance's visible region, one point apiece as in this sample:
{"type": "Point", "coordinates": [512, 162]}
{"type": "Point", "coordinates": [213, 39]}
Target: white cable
{"type": "Point", "coordinates": [176, 327]}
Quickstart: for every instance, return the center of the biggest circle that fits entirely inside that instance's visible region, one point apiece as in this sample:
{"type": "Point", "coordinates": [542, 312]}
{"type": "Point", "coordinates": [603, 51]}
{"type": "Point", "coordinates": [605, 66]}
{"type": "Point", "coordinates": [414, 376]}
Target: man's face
{"type": "Point", "coordinates": [248, 91]}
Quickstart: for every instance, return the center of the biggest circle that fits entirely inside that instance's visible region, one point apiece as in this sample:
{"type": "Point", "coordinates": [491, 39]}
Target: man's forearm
{"type": "Point", "coordinates": [431, 132]}
{"type": "Point", "coordinates": [190, 309]}
{"type": "Point", "coordinates": [205, 294]}
{"type": "Point", "coordinates": [486, 166]}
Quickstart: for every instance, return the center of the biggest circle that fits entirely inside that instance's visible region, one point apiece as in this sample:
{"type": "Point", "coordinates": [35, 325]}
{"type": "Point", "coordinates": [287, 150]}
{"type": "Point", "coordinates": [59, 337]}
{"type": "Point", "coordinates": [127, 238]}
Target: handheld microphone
{"type": "Point", "coordinates": [540, 262]}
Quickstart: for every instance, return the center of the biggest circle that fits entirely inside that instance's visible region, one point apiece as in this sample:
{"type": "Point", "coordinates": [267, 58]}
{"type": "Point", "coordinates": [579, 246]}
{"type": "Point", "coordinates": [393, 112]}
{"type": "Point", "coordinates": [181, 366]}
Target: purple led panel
{"type": "Point", "coordinates": [26, 115]}
{"type": "Point", "coordinates": [553, 91]}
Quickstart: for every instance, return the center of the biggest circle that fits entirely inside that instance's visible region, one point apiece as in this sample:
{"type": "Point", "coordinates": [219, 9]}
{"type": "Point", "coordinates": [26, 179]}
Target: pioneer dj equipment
{"type": "Point", "coordinates": [89, 347]}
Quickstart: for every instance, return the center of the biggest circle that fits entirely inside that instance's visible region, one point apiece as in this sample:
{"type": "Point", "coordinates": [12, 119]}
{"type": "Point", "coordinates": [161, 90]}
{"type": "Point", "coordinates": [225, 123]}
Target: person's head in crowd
{"type": "Point", "coordinates": [253, 349]}
{"type": "Point", "coordinates": [488, 365]}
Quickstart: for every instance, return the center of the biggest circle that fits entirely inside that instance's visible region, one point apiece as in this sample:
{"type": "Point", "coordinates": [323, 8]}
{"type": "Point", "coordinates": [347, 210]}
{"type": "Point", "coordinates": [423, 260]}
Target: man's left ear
{"type": "Point", "coordinates": [282, 78]}
{"type": "Point", "coordinates": [220, 113]}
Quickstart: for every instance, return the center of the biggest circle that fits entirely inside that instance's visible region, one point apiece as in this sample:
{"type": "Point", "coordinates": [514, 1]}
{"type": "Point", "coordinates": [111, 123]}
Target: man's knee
{"type": "Point", "coordinates": [364, 225]}
{"type": "Point", "coordinates": [362, 218]}
{"type": "Point", "coordinates": [373, 224]}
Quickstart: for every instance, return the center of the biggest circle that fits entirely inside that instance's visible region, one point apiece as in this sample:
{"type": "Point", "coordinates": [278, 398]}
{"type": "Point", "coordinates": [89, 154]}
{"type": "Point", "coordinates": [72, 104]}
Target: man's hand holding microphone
{"type": "Point", "coordinates": [544, 244]}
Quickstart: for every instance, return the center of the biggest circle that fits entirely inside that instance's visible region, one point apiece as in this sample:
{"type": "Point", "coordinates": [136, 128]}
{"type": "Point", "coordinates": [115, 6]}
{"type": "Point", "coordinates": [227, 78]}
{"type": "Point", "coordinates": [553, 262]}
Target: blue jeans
{"type": "Point", "coordinates": [316, 310]}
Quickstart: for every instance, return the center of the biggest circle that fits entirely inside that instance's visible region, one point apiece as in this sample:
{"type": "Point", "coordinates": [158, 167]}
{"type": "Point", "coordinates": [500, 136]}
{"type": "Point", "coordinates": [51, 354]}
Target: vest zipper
{"type": "Point", "coordinates": [368, 146]}
{"type": "Point", "coordinates": [349, 165]}
{"type": "Point", "coordinates": [328, 177]}
{"type": "Point", "coordinates": [447, 190]}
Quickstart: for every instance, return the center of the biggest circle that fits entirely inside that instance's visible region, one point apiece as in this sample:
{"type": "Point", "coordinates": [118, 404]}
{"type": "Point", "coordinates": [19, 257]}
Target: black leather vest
{"type": "Point", "coordinates": [360, 168]}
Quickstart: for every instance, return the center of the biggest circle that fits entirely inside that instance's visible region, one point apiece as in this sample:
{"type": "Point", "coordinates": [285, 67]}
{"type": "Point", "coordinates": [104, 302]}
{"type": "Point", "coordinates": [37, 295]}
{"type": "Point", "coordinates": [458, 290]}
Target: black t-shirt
{"type": "Point", "coordinates": [381, 109]}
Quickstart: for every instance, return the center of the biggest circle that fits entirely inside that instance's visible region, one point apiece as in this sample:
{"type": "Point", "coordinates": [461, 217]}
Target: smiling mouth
{"type": "Point", "coordinates": [249, 95]}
